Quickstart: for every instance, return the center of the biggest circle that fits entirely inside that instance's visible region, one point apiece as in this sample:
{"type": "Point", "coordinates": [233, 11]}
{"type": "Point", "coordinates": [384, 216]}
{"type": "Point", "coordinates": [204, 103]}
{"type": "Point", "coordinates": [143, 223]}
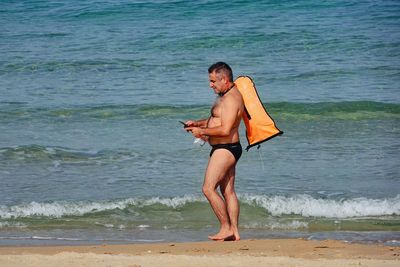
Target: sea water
{"type": "Point", "coordinates": [91, 93]}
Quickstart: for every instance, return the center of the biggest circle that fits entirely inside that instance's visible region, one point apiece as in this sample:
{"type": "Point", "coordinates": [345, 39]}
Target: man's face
{"type": "Point", "coordinates": [217, 82]}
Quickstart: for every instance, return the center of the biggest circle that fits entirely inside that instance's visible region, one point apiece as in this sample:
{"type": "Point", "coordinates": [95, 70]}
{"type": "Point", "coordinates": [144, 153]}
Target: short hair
{"type": "Point", "coordinates": [221, 67]}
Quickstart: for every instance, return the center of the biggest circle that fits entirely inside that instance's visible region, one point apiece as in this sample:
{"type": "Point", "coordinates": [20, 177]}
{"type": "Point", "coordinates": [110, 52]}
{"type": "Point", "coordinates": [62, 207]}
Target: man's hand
{"type": "Point", "coordinates": [196, 131]}
{"type": "Point", "coordinates": [190, 123]}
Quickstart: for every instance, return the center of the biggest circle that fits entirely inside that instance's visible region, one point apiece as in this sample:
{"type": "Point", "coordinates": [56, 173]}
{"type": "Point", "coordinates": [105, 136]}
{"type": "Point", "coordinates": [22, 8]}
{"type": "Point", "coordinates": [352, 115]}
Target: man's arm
{"type": "Point", "coordinates": [198, 123]}
{"type": "Point", "coordinates": [230, 109]}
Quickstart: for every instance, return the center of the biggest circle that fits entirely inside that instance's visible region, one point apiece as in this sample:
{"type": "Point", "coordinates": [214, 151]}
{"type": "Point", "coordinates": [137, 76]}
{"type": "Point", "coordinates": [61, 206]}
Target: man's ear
{"type": "Point", "coordinates": [226, 80]}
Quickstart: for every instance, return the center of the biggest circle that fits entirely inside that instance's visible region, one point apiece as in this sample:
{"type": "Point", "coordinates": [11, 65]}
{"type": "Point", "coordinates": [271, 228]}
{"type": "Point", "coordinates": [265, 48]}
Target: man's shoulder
{"type": "Point", "coordinates": [233, 100]}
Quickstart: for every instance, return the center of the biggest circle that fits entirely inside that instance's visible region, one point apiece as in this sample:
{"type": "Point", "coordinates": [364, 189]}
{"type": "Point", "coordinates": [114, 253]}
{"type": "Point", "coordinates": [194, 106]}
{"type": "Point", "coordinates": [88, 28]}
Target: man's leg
{"type": "Point", "coordinates": [232, 204]}
{"type": "Point", "coordinates": [219, 164]}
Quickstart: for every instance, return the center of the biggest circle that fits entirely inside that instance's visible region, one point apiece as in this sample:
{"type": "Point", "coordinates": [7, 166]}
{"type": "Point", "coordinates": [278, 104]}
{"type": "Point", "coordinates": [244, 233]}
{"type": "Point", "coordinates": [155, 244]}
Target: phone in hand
{"type": "Point", "coordinates": [184, 124]}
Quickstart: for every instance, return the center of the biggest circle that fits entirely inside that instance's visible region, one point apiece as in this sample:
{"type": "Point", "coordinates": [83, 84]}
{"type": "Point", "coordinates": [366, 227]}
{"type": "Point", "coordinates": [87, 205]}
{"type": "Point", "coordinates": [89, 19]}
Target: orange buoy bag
{"type": "Point", "coordinates": [260, 127]}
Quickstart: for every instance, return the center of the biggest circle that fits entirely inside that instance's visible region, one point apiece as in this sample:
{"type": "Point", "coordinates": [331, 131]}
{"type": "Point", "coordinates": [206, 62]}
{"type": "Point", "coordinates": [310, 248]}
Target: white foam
{"type": "Point", "coordinates": [273, 225]}
{"type": "Point", "coordinates": [175, 202]}
{"type": "Point", "coordinates": [308, 206]}
{"type": "Point", "coordinates": [59, 209]}
{"type": "Point", "coordinates": [62, 208]}
{"type": "Point", "coordinates": [304, 205]}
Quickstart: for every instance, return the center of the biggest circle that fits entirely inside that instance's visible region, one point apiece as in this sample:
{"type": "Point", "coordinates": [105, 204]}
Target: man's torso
{"type": "Point", "coordinates": [215, 118]}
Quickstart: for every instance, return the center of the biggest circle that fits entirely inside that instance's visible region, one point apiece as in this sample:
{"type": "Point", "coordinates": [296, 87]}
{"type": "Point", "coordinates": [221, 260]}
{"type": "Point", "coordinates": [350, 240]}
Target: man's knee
{"type": "Point", "coordinates": [208, 190]}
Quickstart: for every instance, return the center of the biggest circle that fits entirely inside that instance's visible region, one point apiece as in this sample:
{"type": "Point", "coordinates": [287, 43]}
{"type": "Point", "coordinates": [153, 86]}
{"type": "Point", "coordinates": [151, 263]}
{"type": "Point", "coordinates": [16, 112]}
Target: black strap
{"type": "Point", "coordinates": [222, 94]}
{"type": "Point", "coordinates": [247, 113]}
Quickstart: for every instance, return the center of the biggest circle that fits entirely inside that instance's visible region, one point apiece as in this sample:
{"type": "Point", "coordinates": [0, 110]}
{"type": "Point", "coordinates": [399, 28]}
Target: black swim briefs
{"type": "Point", "coordinates": [234, 148]}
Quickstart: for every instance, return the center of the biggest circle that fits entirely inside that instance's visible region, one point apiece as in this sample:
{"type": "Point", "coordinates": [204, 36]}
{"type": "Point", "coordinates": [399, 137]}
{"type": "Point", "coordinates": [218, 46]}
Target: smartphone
{"type": "Point", "coordinates": [184, 124]}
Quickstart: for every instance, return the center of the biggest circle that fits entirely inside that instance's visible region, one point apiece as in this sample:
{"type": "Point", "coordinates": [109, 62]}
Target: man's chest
{"type": "Point", "coordinates": [216, 110]}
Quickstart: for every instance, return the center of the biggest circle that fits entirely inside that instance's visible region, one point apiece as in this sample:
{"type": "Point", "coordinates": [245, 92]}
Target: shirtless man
{"type": "Point", "coordinates": [221, 131]}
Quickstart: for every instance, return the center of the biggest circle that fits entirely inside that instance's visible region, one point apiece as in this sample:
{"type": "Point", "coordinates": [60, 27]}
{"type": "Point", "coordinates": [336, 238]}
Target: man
{"type": "Point", "coordinates": [221, 130]}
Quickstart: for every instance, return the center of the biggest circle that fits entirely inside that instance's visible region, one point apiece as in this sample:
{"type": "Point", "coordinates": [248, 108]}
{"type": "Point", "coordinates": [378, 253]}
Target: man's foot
{"type": "Point", "coordinates": [223, 236]}
{"type": "Point", "coordinates": [236, 235]}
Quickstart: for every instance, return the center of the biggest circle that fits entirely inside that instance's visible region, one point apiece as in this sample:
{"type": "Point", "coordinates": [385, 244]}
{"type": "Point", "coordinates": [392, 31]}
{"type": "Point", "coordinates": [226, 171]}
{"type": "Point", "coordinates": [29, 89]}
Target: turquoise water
{"type": "Point", "coordinates": [91, 92]}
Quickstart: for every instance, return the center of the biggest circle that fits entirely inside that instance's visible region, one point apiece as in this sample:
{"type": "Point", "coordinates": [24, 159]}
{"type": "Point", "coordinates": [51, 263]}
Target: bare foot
{"type": "Point", "coordinates": [223, 236]}
{"type": "Point", "coordinates": [236, 235]}
{"type": "Point", "coordinates": [220, 238]}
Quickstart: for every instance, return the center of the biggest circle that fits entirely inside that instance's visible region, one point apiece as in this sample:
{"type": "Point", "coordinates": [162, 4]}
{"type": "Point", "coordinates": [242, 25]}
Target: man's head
{"type": "Point", "coordinates": [220, 76]}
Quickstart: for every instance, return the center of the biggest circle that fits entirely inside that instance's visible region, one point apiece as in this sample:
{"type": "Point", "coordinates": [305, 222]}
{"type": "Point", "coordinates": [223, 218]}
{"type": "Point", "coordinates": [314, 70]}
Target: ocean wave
{"type": "Point", "coordinates": [307, 206]}
{"type": "Point", "coordinates": [6, 224]}
{"type": "Point", "coordinates": [303, 205]}
{"type": "Point", "coordinates": [348, 110]}
{"type": "Point", "coordinates": [33, 153]}
{"type": "Point", "coordinates": [276, 225]}
{"type": "Point", "coordinates": [59, 209]}
{"type": "Point", "coordinates": [17, 111]}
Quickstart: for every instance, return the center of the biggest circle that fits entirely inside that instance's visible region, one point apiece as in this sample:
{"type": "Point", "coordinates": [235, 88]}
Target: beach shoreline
{"type": "Point", "coordinates": [251, 252]}
{"type": "Point", "coordinates": [96, 170]}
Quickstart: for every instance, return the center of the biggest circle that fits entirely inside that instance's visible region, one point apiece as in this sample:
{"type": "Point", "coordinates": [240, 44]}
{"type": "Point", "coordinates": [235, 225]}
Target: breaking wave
{"type": "Point", "coordinates": [307, 206]}
{"type": "Point", "coordinates": [303, 205]}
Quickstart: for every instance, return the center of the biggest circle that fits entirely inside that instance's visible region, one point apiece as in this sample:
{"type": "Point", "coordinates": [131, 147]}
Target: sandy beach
{"type": "Point", "coordinates": [275, 252]}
